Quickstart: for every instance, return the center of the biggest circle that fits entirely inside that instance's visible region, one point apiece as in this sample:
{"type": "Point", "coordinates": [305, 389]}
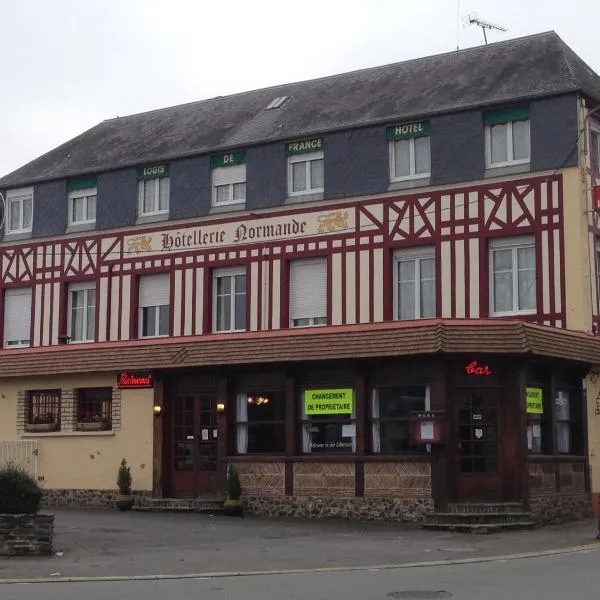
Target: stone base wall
{"type": "Point", "coordinates": [358, 509]}
{"type": "Point", "coordinates": [89, 498]}
{"type": "Point", "coordinates": [26, 535]}
{"type": "Point", "coordinates": [561, 508]}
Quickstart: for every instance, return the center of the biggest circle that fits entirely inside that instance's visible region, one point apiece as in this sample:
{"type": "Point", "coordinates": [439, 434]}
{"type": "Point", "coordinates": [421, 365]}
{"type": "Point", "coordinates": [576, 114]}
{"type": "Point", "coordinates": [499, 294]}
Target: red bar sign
{"type": "Point", "coordinates": [135, 380]}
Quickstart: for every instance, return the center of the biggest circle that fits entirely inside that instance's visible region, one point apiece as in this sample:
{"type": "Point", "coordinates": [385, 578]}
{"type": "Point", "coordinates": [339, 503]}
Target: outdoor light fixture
{"type": "Point", "coordinates": [157, 410]}
{"type": "Point", "coordinates": [220, 407]}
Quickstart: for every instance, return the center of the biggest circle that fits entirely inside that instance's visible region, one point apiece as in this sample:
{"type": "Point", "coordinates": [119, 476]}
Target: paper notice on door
{"type": "Point", "coordinates": [214, 433]}
{"type": "Point", "coordinates": [427, 430]}
{"type": "Point", "coordinates": [529, 439]}
{"type": "Point", "coordinates": [204, 435]}
{"type": "Point", "coordinates": [349, 431]}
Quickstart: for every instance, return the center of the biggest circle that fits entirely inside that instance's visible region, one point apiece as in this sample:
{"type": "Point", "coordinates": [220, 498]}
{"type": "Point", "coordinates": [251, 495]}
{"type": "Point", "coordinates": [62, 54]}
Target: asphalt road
{"type": "Point", "coordinates": [556, 577]}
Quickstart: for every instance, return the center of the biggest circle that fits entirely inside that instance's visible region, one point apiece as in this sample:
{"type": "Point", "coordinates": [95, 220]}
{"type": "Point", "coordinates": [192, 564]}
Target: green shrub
{"type": "Point", "coordinates": [234, 490]}
{"type": "Point", "coordinates": [19, 491]}
{"type": "Point", "coordinates": [124, 479]}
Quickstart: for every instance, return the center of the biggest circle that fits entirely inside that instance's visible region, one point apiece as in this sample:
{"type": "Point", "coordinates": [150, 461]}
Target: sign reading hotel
{"type": "Point", "coordinates": [534, 401]}
{"type": "Point", "coordinates": [399, 132]}
{"type": "Point", "coordinates": [237, 233]}
{"type": "Point", "coordinates": [328, 402]}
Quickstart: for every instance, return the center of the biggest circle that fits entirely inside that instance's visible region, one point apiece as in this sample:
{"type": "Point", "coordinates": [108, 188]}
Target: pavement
{"type": "Point", "coordinates": [106, 544]}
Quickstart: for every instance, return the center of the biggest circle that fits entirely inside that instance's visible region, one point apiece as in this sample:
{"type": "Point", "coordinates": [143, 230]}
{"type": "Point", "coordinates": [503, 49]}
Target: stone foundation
{"type": "Point", "coordinates": [89, 498]}
{"type": "Point", "coordinates": [26, 535]}
{"type": "Point", "coordinates": [358, 509]}
{"type": "Point", "coordinates": [561, 508]}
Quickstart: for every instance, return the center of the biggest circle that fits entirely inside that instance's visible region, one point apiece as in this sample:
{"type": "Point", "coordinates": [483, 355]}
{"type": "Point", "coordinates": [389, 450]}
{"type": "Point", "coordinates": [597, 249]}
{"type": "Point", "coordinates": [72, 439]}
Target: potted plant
{"type": "Point", "coordinates": [41, 423]}
{"type": "Point", "coordinates": [91, 422]}
{"type": "Point", "coordinates": [233, 505]}
{"type": "Point", "coordinates": [125, 499]}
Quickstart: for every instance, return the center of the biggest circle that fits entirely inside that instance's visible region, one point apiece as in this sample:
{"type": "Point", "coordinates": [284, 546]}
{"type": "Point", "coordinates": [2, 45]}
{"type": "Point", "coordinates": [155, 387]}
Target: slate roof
{"type": "Point", "coordinates": [397, 338]}
{"type": "Point", "coordinates": [518, 69]}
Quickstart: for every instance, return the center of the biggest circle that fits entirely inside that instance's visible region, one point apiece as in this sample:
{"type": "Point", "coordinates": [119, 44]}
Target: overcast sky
{"type": "Point", "coordinates": [69, 64]}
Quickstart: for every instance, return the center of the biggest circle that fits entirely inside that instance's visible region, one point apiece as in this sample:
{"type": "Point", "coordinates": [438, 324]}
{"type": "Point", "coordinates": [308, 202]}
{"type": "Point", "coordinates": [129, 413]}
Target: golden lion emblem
{"type": "Point", "coordinates": [141, 243]}
{"type": "Point", "coordinates": [334, 221]}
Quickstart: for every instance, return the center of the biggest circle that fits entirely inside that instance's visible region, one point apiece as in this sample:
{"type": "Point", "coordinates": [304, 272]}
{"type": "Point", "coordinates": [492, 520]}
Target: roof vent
{"type": "Point", "coordinates": [277, 102]}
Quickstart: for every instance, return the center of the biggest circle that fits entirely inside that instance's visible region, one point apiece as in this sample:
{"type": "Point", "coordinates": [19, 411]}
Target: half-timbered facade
{"type": "Point", "coordinates": [374, 313]}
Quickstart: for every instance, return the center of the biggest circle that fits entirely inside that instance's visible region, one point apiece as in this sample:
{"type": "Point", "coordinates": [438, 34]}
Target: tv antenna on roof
{"type": "Point", "coordinates": [472, 19]}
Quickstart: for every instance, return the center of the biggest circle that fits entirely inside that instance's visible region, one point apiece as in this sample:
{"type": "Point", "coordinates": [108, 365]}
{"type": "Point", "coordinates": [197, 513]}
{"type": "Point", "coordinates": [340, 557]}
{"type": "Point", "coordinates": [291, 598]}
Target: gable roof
{"type": "Point", "coordinates": [518, 69]}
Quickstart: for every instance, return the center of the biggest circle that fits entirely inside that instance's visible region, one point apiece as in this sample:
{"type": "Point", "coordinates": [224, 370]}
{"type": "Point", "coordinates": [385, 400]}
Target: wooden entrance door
{"type": "Point", "coordinates": [193, 445]}
{"type": "Point", "coordinates": [479, 475]}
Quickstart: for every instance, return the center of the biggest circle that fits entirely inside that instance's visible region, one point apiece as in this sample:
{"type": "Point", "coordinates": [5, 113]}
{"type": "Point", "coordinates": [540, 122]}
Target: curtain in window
{"type": "Point", "coordinates": [422, 155]}
{"type": "Point", "coordinates": [526, 278]}
{"type": "Point", "coordinates": [520, 140]}
{"type": "Point", "coordinates": [241, 414]}
{"type": "Point", "coordinates": [503, 280]}
{"type": "Point", "coordinates": [376, 434]}
{"type": "Point", "coordinates": [499, 143]}
{"type": "Point", "coordinates": [427, 267]}
{"type": "Point", "coordinates": [402, 158]}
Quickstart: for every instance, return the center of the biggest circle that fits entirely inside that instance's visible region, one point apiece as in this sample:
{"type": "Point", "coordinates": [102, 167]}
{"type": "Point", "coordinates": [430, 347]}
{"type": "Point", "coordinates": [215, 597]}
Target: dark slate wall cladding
{"type": "Point", "coordinates": [117, 199]}
{"type": "Point", "coordinates": [190, 188]}
{"type": "Point", "coordinates": [356, 162]}
{"type": "Point", "coordinates": [266, 176]}
{"type": "Point", "coordinates": [49, 208]}
{"type": "Point", "coordinates": [554, 132]}
{"type": "Point", "coordinates": [457, 148]}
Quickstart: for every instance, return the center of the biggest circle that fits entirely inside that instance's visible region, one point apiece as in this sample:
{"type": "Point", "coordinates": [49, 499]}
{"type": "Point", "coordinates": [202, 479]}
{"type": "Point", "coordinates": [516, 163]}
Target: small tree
{"type": "Point", "coordinates": [234, 490]}
{"type": "Point", "coordinates": [19, 491]}
{"type": "Point", "coordinates": [124, 479]}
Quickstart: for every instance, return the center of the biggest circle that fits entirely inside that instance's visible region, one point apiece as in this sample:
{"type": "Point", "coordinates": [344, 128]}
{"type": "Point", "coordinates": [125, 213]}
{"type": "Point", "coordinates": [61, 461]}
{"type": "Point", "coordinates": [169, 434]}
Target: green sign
{"type": "Point", "coordinates": [517, 113]}
{"type": "Point", "coordinates": [82, 183]}
{"type": "Point", "coordinates": [534, 401]}
{"type": "Point", "coordinates": [328, 402]}
{"type": "Point", "coordinates": [314, 145]}
{"type": "Point", "coordinates": [153, 171]}
{"type": "Point", "coordinates": [227, 160]}
{"type": "Point", "coordinates": [408, 130]}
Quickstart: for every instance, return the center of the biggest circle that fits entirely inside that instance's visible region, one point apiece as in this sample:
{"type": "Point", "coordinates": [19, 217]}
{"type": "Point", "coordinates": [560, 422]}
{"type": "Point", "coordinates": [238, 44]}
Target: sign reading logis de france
{"type": "Point", "coordinates": [236, 233]}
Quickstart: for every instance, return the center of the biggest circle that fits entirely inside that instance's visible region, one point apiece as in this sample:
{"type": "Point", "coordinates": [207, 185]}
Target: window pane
{"type": "Point", "coordinates": [27, 213]}
{"type": "Point", "coordinates": [223, 285]}
{"type": "Point", "coordinates": [402, 158]}
{"type": "Point", "coordinates": [163, 197]}
{"type": "Point", "coordinates": [299, 177]}
{"type": "Point", "coordinates": [562, 406]}
{"type": "Point", "coordinates": [163, 320]}
{"type": "Point", "coordinates": [427, 299]}
{"type": "Point", "coordinates": [499, 143]}
{"type": "Point", "coordinates": [78, 209]}
{"type": "Point", "coordinates": [265, 406]}
{"type": "Point", "coordinates": [223, 193]}
{"type": "Point", "coordinates": [224, 312]}
{"type": "Point", "coordinates": [526, 267]}
{"type": "Point", "coordinates": [91, 315]}
{"type": "Point", "coordinates": [563, 437]}
{"type": "Point", "coordinates": [316, 174]}
{"type": "Point", "coordinates": [503, 280]}
{"type": "Point", "coordinates": [239, 191]}
{"type": "Point", "coordinates": [91, 208]}
{"type": "Point", "coordinates": [149, 195]}
{"type": "Point", "coordinates": [77, 315]}
{"type": "Point", "coordinates": [406, 300]}
{"type": "Point", "coordinates": [328, 437]}
{"type": "Point", "coordinates": [520, 133]}
{"type": "Point", "coordinates": [148, 321]}
{"type": "Point", "coordinates": [595, 151]}
{"type": "Point", "coordinates": [422, 155]}
{"type": "Point", "coordinates": [266, 437]}
{"type": "Point", "coordinates": [399, 402]}
{"type": "Point", "coordinates": [240, 302]}
{"type": "Point", "coordinates": [15, 215]}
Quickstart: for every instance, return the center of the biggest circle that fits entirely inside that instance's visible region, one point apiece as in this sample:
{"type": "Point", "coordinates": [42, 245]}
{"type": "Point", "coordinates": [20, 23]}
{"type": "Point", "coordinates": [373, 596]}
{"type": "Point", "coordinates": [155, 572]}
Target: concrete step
{"type": "Point", "coordinates": [478, 518]}
{"type": "Point", "coordinates": [483, 529]}
{"type": "Point", "coordinates": [198, 505]}
{"type": "Point", "coordinates": [485, 507]}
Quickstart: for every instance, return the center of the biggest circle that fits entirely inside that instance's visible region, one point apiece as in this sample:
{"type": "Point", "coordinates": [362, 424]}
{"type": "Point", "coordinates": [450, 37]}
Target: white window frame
{"type": "Point", "coordinates": [509, 144]}
{"type": "Point", "coordinates": [228, 272]}
{"type": "Point", "coordinates": [14, 197]}
{"type": "Point", "coordinates": [232, 175]}
{"type": "Point", "coordinates": [513, 243]}
{"type": "Point", "coordinates": [595, 133]}
{"type": "Point", "coordinates": [413, 165]}
{"type": "Point", "coordinates": [156, 211]}
{"type": "Point", "coordinates": [85, 194]}
{"type": "Point", "coordinates": [80, 287]}
{"type": "Point", "coordinates": [417, 255]}
{"type": "Point", "coordinates": [305, 158]}
{"type": "Point", "coordinates": [17, 292]}
{"type": "Point", "coordinates": [141, 307]}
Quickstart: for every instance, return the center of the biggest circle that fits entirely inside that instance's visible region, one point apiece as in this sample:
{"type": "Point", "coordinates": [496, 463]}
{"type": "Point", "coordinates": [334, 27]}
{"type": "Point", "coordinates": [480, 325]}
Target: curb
{"type": "Point", "coordinates": [226, 574]}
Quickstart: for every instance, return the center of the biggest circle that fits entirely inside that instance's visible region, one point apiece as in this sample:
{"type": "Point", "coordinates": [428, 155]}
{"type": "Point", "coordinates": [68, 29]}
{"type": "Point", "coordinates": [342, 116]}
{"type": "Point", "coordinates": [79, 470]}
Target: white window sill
{"type": "Point", "coordinates": [152, 217]}
{"type": "Point", "coordinates": [306, 192]}
{"type": "Point", "coordinates": [519, 313]}
{"type": "Point", "coordinates": [292, 326]}
{"type": "Point", "coordinates": [28, 434]}
{"type": "Point", "coordinates": [16, 346]}
{"type": "Point", "coordinates": [227, 204]}
{"type": "Point", "coordinates": [312, 196]}
{"type": "Point", "coordinates": [229, 331]}
{"type": "Point", "coordinates": [510, 163]}
{"type": "Point", "coordinates": [18, 235]}
{"type": "Point", "coordinates": [72, 341]}
{"type": "Point", "coordinates": [153, 337]}
{"type": "Point", "coordinates": [410, 177]}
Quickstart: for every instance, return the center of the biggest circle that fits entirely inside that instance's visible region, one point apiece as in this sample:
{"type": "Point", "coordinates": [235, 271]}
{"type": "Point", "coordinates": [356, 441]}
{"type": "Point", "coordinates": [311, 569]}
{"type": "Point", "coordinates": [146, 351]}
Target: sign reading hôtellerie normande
{"type": "Point", "coordinates": [240, 232]}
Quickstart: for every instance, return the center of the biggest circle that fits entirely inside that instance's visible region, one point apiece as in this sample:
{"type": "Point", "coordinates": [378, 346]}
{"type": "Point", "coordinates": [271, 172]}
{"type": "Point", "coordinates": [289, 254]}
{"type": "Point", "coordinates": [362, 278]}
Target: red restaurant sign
{"type": "Point", "coordinates": [135, 380]}
{"type": "Point", "coordinates": [474, 368]}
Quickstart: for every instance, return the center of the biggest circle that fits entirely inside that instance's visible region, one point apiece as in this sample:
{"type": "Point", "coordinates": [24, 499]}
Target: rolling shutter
{"type": "Point", "coordinates": [225, 175]}
{"type": "Point", "coordinates": [308, 289]}
{"type": "Point", "coordinates": [17, 317]}
{"type": "Point", "coordinates": [154, 290]}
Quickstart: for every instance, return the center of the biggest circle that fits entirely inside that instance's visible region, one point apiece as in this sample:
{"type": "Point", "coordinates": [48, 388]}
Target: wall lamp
{"type": "Point", "coordinates": [220, 408]}
{"type": "Point", "coordinates": [157, 409]}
